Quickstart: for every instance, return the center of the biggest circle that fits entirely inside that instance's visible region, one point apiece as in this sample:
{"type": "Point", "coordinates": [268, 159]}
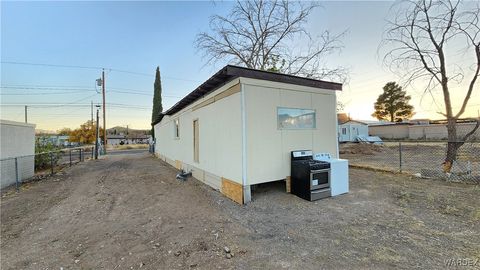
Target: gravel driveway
{"type": "Point", "coordinates": [129, 212]}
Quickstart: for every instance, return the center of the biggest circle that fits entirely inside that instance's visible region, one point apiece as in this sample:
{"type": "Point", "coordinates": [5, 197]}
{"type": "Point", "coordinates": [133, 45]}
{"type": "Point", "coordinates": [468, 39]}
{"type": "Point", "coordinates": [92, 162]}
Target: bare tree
{"type": "Point", "coordinates": [419, 35]}
{"type": "Point", "coordinates": [261, 35]}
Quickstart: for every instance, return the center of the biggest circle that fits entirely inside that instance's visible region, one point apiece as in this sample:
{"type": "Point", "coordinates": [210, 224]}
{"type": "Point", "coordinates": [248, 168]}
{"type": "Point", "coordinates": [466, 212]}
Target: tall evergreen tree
{"type": "Point", "coordinates": [157, 99]}
{"type": "Point", "coordinates": [392, 104]}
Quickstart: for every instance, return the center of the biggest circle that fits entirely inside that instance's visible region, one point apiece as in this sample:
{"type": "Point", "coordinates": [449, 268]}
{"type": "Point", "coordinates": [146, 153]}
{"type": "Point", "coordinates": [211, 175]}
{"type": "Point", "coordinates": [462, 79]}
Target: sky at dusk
{"type": "Point", "coordinates": [130, 39]}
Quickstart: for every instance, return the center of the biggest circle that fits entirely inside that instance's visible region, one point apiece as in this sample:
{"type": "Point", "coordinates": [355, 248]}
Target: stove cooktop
{"type": "Point", "coordinates": [314, 164]}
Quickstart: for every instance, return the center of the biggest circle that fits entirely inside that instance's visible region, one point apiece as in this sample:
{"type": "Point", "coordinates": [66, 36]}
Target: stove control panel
{"type": "Point", "coordinates": [304, 153]}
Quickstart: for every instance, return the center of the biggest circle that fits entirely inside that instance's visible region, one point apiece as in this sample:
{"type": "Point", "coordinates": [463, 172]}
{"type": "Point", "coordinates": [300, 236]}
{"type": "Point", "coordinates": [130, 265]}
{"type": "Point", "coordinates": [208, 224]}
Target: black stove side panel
{"type": "Point", "coordinates": [300, 180]}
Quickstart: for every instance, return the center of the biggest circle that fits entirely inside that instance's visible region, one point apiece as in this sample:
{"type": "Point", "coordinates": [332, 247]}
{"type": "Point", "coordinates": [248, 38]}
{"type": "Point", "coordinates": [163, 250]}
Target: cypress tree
{"type": "Point", "coordinates": [157, 99]}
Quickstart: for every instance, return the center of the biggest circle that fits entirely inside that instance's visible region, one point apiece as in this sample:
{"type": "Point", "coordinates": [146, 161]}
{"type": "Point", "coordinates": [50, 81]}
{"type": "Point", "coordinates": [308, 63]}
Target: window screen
{"type": "Point", "coordinates": [292, 118]}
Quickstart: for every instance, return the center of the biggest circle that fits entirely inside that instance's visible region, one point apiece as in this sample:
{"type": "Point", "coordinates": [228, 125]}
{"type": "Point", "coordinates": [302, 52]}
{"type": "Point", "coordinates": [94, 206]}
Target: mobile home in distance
{"type": "Point", "coordinates": [349, 131]}
{"type": "Point", "coordinates": [239, 127]}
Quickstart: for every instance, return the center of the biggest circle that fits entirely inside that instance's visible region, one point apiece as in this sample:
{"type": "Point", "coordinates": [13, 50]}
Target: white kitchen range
{"type": "Point", "coordinates": [317, 176]}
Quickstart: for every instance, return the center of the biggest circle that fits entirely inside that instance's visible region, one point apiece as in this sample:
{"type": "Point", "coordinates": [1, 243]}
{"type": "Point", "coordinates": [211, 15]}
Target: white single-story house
{"type": "Point", "coordinates": [128, 139]}
{"type": "Point", "coordinates": [57, 140]}
{"type": "Point", "coordinates": [349, 131]}
{"type": "Point", "coordinates": [17, 142]}
{"type": "Point", "coordinates": [116, 139]}
{"type": "Point", "coordinates": [239, 127]}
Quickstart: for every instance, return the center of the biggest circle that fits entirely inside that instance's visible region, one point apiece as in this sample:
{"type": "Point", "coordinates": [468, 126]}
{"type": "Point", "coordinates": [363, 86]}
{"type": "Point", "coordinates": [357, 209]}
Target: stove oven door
{"type": "Point", "coordinates": [319, 179]}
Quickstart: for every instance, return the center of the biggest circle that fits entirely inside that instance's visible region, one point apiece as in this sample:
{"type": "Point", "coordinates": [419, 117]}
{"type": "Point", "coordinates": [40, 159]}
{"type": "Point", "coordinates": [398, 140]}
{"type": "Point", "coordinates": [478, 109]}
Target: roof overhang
{"type": "Point", "coordinates": [230, 72]}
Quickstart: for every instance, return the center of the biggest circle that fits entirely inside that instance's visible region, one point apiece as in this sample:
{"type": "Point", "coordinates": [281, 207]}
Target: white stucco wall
{"type": "Point", "coordinates": [220, 138]}
{"type": "Point", "coordinates": [16, 140]}
{"type": "Point", "coordinates": [268, 148]}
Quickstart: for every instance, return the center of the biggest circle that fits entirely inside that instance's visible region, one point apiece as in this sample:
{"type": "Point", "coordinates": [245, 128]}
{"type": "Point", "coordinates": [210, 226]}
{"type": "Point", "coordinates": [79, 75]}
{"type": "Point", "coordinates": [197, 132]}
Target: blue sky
{"type": "Point", "coordinates": [138, 36]}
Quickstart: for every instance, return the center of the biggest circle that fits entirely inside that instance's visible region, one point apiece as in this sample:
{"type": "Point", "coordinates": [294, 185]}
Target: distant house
{"type": "Point", "coordinates": [128, 139]}
{"type": "Point", "coordinates": [57, 140]}
{"type": "Point", "coordinates": [116, 139]}
{"type": "Point", "coordinates": [138, 139]}
{"type": "Point", "coordinates": [350, 130]}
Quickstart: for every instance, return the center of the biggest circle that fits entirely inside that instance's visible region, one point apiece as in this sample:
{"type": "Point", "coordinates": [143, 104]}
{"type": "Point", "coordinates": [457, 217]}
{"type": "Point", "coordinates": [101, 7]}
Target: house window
{"type": "Point", "coordinates": [176, 128]}
{"type": "Point", "coordinates": [292, 118]}
{"type": "Point", "coordinates": [344, 131]}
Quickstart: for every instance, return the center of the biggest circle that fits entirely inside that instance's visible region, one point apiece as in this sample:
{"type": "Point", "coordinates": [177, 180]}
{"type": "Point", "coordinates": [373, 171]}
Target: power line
{"type": "Point", "coordinates": [47, 88]}
{"type": "Point", "coordinates": [76, 88]}
{"type": "Point", "coordinates": [75, 103]}
{"type": "Point", "coordinates": [35, 94]}
{"type": "Point", "coordinates": [94, 68]}
{"type": "Point", "coordinates": [49, 65]}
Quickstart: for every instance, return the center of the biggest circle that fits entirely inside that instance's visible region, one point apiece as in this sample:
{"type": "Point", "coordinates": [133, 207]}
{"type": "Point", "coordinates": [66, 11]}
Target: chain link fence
{"type": "Point", "coordinates": [16, 170]}
{"type": "Point", "coordinates": [419, 158]}
{"type": "Point", "coordinates": [423, 154]}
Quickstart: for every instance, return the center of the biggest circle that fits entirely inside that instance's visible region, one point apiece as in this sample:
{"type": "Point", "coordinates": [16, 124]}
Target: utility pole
{"type": "Point", "coordinates": [104, 119]}
{"type": "Point", "coordinates": [91, 112]}
{"type": "Point", "coordinates": [26, 114]}
{"type": "Point", "coordinates": [97, 135]}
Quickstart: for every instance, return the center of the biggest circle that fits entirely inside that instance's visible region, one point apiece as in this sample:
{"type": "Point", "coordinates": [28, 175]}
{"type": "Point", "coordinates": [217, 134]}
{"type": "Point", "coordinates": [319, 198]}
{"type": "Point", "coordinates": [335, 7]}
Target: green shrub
{"type": "Point", "coordinates": [45, 152]}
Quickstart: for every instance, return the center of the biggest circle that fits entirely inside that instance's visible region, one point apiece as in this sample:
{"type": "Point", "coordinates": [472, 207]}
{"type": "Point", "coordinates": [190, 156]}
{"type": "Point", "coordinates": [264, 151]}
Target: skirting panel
{"type": "Point", "coordinates": [288, 184]}
{"type": "Point", "coordinates": [232, 190]}
{"type": "Point", "coordinates": [213, 180]}
{"type": "Point", "coordinates": [170, 161]}
{"type": "Point", "coordinates": [178, 164]}
{"type": "Point", "coordinates": [229, 188]}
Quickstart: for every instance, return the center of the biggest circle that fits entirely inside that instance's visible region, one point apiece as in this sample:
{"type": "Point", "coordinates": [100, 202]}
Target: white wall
{"type": "Point", "coordinates": [268, 148]}
{"type": "Point", "coordinates": [362, 130]}
{"type": "Point", "coordinates": [16, 140]}
{"type": "Point", "coordinates": [219, 133]}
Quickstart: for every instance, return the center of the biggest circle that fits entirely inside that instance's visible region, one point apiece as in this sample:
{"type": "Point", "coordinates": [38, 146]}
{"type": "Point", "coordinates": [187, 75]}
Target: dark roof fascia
{"type": "Point", "coordinates": [279, 77]}
{"type": "Point", "coordinates": [229, 72]}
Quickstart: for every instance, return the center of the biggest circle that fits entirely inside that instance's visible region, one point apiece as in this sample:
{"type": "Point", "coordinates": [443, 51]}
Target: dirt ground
{"type": "Point", "coordinates": [129, 212]}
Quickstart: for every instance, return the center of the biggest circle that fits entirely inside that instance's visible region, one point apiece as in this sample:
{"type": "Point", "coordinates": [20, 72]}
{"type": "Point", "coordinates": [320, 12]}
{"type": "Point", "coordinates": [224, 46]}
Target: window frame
{"type": "Point", "coordinates": [297, 128]}
{"type": "Point", "coordinates": [196, 148]}
{"type": "Point", "coordinates": [176, 128]}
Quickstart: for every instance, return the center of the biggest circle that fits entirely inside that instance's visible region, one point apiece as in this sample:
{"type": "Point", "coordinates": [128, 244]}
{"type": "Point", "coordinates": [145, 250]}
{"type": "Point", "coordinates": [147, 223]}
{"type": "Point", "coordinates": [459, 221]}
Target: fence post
{"type": "Point", "coordinates": [80, 154]}
{"type": "Point", "coordinates": [51, 161]}
{"type": "Point", "coordinates": [16, 174]}
{"type": "Point", "coordinates": [400, 155]}
{"type": "Point", "coordinates": [70, 154]}
{"type": "Point", "coordinates": [92, 152]}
